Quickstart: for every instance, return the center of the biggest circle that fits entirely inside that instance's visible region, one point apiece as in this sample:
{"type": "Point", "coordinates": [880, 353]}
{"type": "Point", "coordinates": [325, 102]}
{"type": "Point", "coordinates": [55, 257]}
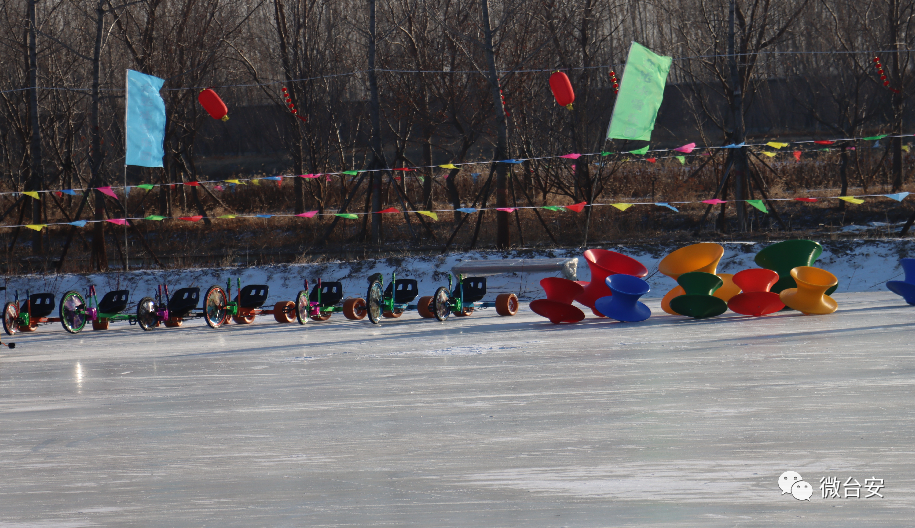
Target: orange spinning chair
{"type": "Point", "coordinates": [604, 263]}
{"type": "Point", "coordinates": [810, 296]}
{"type": "Point", "coordinates": [702, 257]}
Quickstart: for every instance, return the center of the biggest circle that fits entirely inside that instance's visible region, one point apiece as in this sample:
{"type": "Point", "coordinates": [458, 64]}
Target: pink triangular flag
{"type": "Point", "coordinates": [218, 187]}
{"type": "Point", "coordinates": [686, 149]}
{"type": "Point", "coordinates": [309, 214]}
{"type": "Point", "coordinates": [118, 221]}
{"type": "Point", "coordinates": [570, 156]}
{"type": "Point", "coordinates": [328, 177]}
{"type": "Point", "coordinates": [108, 191]}
{"type": "Point", "coordinates": [506, 209]}
{"type": "Point", "coordinates": [715, 201]}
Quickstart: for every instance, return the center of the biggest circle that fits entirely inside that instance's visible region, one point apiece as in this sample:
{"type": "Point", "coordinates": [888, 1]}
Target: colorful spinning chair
{"type": "Point", "coordinates": [702, 257]}
{"type": "Point", "coordinates": [905, 288]}
{"type": "Point", "coordinates": [557, 307]}
{"type": "Point", "coordinates": [756, 298]}
{"type": "Point", "coordinates": [783, 257]}
{"type": "Point", "coordinates": [728, 289]}
{"type": "Point", "coordinates": [604, 263]}
{"type": "Point", "coordinates": [624, 304]}
{"type": "Point", "coordinates": [699, 301]}
{"type": "Point", "coordinates": [810, 296]}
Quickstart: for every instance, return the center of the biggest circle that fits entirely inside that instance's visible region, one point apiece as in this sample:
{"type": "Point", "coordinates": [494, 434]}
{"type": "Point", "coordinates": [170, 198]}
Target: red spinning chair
{"type": "Point", "coordinates": [756, 298]}
{"type": "Point", "coordinates": [604, 263]}
{"type": "Point", "coordinates": [557, 307]}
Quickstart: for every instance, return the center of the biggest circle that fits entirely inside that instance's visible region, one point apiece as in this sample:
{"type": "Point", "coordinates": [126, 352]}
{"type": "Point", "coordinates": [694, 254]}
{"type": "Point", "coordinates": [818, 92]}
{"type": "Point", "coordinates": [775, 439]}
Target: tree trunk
{"type": "Point", "coordinates": [740, 154]}
{"type": "Point", "coordinates": [36, 178]}
{"type": "Point", "coordinates": [503, 240]}
{"type": "Point", "coordinates": [378, 161]}
{"type": "Point", "coordinates": [95, 163]}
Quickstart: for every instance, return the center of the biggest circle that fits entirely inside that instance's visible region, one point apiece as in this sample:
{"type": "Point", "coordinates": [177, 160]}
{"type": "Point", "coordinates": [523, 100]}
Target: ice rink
{"type": "Point", "coordinates": [482, 421]}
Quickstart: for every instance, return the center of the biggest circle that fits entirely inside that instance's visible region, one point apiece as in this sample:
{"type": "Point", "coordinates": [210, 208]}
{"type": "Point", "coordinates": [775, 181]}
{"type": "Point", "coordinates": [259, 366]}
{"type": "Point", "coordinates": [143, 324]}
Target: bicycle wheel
{"type": "Point", "coordinates": [302, 307]}
{"type": "Point", "coordinates": [146, 314]}
{"type": "Point", "coordinates": [373, 299]}
{"type": "Point", "coordinates": [11, 318]}
{"type": "Point", "coordinates": [441, 303]}
{"type": "Point", "coordinates": [72, 312]}
{"type": "Point", "coordinates": [214, 307]}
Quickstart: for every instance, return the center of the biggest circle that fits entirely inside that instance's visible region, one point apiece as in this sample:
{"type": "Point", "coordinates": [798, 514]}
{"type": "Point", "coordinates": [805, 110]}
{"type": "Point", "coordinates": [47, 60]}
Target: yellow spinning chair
{"type": "Point", "coordinates": [702, 257]}
{"type": "Point", "coordinates": [810, 296]}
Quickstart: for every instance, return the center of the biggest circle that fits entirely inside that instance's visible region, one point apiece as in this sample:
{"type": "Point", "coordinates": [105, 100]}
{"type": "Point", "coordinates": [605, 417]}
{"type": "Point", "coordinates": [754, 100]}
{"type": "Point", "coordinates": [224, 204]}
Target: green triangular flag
{"type": "Point", "coordinates": [349, 216]}
{"type": "Point", "coordinates": [145, 186]}
{"type": "Point", "coordinates": [681, 159]}
{"type": "Point", "coordinates": [641, 152]}
{"type": "Point", "coordinates": [758, 204]}
{"type": "Point", "coordinates": [873, 138]}
{"type": "Point", "coordinates": [553, 208]}
{"type": "Point", "coordinates": [605, 154]}
{"type": "Point", "coordinates": [351, 173]}
{"type": "Point", "coordinates": [154, 217]}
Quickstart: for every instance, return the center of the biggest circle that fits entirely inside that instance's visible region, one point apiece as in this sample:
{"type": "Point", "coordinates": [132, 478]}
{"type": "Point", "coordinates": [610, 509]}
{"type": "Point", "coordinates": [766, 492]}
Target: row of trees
{"type": "Point", "coordinates": [393, 83]}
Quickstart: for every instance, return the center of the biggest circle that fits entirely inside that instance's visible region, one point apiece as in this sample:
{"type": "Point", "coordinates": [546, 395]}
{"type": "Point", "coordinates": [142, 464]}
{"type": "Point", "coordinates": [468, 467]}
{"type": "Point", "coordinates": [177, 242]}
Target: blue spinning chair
{"type": "Point", "coordinates": [624, 304]}
{"type": "Point", "coordinates": [905, 288]}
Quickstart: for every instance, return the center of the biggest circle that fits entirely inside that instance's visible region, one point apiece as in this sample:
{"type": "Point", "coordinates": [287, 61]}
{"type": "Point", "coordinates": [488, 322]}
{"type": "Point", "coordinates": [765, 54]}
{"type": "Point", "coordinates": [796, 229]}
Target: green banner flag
{"type": "Point", "coordinates": [640, 96]}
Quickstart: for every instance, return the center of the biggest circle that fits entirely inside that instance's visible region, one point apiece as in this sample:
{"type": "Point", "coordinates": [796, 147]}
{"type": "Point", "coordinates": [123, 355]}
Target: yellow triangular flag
{"type": "Point", "coordinates": [448, 166]}
{"type": "Point", "coordinates": [622, 206]}
{"type": "Point", "coordinates": [226, 216]}
{"type": "Point", "coordinates": [36, 227]}
{"type": "Point", "coordinates": [905, 148]}
{"type": "Point", "coordinates": [33, 194]}
{"type": "Point", "coordinates": [776, 145]}
{"type": "Point", "coordinates": [255, 181]}
{"type": "Point", "coordinates": [770, 154]}
{"type": "Point", "coordinates": [851, 199]}
{"type": "Point", "coordinates": [430, 214]}
{"type": "Point", "coordinates": [236, 182]}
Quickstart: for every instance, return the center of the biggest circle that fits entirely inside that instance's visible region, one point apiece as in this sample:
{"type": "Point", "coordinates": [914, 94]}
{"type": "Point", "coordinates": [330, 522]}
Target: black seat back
{"type": "Point", "coordinates": [114, 302]}
{"type": "Point", "coordinates": [42, 305]}
{"type": "Point", "coordinates": [183, 301]}
{"type": "Point", "coordinates": [407, 290]}
{"type": "Point", "coordinates": [474, 289]}
{"type": "Point", "coordinates": [331, 293]}
{"type": "Point", "coordinates": [253, 296]}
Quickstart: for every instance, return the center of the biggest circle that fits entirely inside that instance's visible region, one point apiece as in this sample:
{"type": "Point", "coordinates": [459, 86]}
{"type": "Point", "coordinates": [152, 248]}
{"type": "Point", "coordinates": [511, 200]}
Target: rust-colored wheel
{"type": "Point", "coordinates": [507, 304]}
{"type": "Point", "coordinates": [465, 312]}
{"type": "Point", "coordinates": [393, 315]}
{"type": "Point", "coordinates": [424, 307]}
{"type": "Point", "coordinates": [284, 312]}
{"type": "Point", "coordinates": [323, 317]}
{"type": "Point", "coordinates": [243, 319]}
{"type": "Point", "coordinates": [100, 324]}
{"type": "Point", "coordinates": [30, 328]}
{"type": "Point", "coordinates": [174, 322]}
{"type": "Point", "coordinates": [354, 309]}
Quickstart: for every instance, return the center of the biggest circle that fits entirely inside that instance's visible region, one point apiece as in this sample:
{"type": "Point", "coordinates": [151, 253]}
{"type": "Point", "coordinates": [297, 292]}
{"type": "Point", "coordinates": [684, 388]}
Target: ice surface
{"type": "Point", "coordinates": [478, 421]}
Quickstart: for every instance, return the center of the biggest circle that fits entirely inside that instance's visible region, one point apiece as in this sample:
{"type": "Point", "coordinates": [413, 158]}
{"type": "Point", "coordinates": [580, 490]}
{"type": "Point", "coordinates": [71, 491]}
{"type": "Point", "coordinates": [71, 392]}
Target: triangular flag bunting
{"type": "Point", "coordinates": [227, 217]}
{"type": "Point", "coordinates": [622, 206]}
{"type": "Point", "coordinates": [263, 216]}
{"type": "Point", "coordinates": [667, 205]}
{"type": "Point", "coordinates": [898, 196]}
{"type": "Point", "coordinates": [767, 153]}
{"type": "Point", "coordinates": [651, 160]}
{"type": "Point", "coordinates": [681, 159]}
{"type": "Point", "coordinates": [851, 199]}
{"type": "Point", "coordinates": [195, 218]}
{"type": "Point", "coordinates": [348, 216]}
{"type": "Point", "coordinates": [71, 192]}
{"type": "Point", "coordinates": [274, 178]}
{"type": "Point", "coordinates": [797, 155]}
{"type": "Point", "coordinates": [350, 173]}
{"type": "Point", "coordinates": [640, 152]}
{"type": "Point", "coordinates": [118, 221]}
{"type": "Point", "coordinates": [714, 201]}
{"type": "Point", "coordinates": [511, 161]}
{"type": "Point", "coordinates": [255, 181]}
{"type": "Point", "coordinates": [571, 156]}
{"type": "Point", "coordinates": [106, 191]}
{"type": "Point", "coordinates": [808, 200]}
{"type": "Point", "coordinates": [155, 218]}
{"type": "Point", "coordinates": [873, 138]}
{"type": "Point", "coordinates": [686, 149]}
{"type": "Point", "coordinates": [506, 209]}
{"type": "Point", "coordinates": [735, 146]}
{"type": "Point", "coordinates": [467, 210]}
{"type": "Point", "coordinates": [36, 227]}
{"type": "Point", "coordinates": [33, 194]}
{"type": "Point", "coordinates": [145, 186]}
{"type": "Point", "coordinates": [776, 145]}
{"type": "Point", "coordinates": [579, 207]}
{"type": "Point", "coordinates": [430, 214]}
{"type": "Point", "coordinates": [553, 208]}
{"type": "Point", "coordinates": [389, 210]}
{"type": "Point", "coordinates": [79, 223]}
{"type": "Point", "coordinates": [236, 182]}
{"type": "Point", "coordinates": [192, 184]}
{"type": "Point", "coordinates": [308, 214]}
{"type": "Point", "coordinates": [824, 142]}
{"type": "Point", "coordinates": [759, 205]}
{"type": "Point", "coordinates": [605, 154]}
{"type": "Point", "coordinates": [448, 166]}
{"type": "Point", "coordinates": [218, 188]}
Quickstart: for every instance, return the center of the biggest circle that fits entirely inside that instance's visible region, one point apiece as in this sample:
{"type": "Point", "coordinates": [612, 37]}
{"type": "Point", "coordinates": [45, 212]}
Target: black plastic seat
{"type": "Point", "coordinates": [42, 305]}
{"type": "Point", "coordinates": [183, 301]}
{"type": "Point", "coordinates": [114, 302]}
{"type": "Point", "coordinates": [474, 289]}
{"type": "Point", "coordinates": [253, 296]}
{"type": "Point", "coordinates": [407, 290]}
{"type": "Point", "coordinates": [331, 293]}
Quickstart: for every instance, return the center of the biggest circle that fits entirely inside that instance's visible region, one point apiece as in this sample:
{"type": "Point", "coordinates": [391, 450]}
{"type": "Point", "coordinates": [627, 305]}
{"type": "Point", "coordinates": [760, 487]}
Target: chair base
{"type": "Point", "coordinates": [756, 304]}
{"type": "Point", "coordinates": [621, 312]}
{"type": "Point", "coordinates": [824, 305]}
{"type": "Point", "coordinates": [698, 306]}
{"type": "Point", "coordinates": [903, 289]}
{"type": "Point", "coordinates": [557, 312]}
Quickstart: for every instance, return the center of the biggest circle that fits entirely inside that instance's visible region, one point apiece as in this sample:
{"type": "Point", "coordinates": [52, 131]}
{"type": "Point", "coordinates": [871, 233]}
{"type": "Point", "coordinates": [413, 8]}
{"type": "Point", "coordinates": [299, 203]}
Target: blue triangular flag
{"type": "Point", "coordinates": [263, 216]}
{"type": "Point", "coordinates": [71, 192]}
{"type": "Point", "coordinates": [898, 196]}
{"type": "Point", "coordinates": [78, 223]}
{"type": "Point", "coordinates": [667, 205]}
{"type": "Point", "coordinates": [274, 178]}
{"type": "Point", "coordinates": [467, 210]}
{"type": "Point", "coordinates": [512, 161]}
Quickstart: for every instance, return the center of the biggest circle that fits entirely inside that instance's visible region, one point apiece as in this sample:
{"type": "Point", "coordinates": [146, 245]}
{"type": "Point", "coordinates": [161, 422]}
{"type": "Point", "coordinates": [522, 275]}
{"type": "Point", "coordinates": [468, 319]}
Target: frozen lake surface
{"type": "Point", "coordinates": [480, 421]}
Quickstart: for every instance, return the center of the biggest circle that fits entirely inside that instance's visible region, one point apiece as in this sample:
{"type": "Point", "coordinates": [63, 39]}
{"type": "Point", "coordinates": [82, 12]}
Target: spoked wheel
{"type": "Point", "coordinates": [11, 318]}
{"type": "Point", "coordinates": [441, 303]}
{"type": "Point", "coordinates": [354, 309]}
{"type": "Point", "coordinates": [146, 314]}
{"type": "Point", "coordinates": [507, 304]}
{"type": "Point", "coordinates": [284, 312]}
{"type": "Point", "coordinates": [374, 297]}
{"type": "Point", "coordinates": [214, 307]}
{"type": "Point", "coordinates": [302, 306]}
{"type": "Point", "coordinates": [72, 312]}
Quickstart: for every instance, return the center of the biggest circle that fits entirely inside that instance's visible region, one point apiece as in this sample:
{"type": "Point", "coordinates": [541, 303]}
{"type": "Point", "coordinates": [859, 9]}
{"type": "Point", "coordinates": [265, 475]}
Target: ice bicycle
{"type": "Point", "coordinates": [468, 296]}
{"type": "Point", "coordinates": [76, 310]}
{"type": "Point", "coordinates": [34, 310]}
{"type": "Point", "coordinates": [325, 299]}
{"type": "Point", "coordinates": [393, 301]}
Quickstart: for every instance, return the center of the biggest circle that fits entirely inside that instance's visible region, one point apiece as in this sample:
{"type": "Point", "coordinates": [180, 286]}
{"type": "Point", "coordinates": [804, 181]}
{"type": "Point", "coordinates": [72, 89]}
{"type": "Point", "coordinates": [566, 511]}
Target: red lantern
{"type": "Point", "coordinates": [562, 89]}
{"type": "Point", "coordinates": [213, 104]}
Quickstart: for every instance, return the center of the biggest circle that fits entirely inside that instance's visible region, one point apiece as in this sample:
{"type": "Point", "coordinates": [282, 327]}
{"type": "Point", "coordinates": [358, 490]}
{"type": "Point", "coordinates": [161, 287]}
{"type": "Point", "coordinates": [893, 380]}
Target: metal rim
{"type": "Point", "coordinates": [73, 312]}
{"type": "Point", "coordinates": [302, 305]}
{"type": "Point", "coordinates": [441, 305]}
{"type": "Point", "coordinates": [214, 307]}
{"type": "Point", "coordinates": [146, 313]}
{"type": "Point", "coordinates": [10, 318]}
{"type": "Point", "coordinates": [373, 299]}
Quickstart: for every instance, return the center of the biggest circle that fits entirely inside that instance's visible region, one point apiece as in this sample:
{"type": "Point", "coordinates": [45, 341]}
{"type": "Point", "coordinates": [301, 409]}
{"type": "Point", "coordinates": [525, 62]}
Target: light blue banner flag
{"type": "Point", "coordinates": [145, 122]}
